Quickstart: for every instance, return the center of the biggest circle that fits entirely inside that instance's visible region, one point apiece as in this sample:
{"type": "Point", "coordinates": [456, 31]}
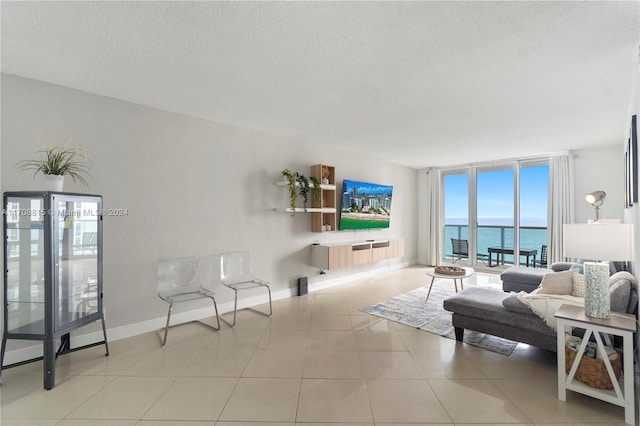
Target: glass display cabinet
{"type": "Point", "coordinates": [52, 271]}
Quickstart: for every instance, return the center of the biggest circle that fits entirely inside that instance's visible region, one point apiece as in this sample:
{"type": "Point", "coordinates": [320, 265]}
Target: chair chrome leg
{"type": "Point", "coordinates": [163, 341]}
{"type": "Point", "coordinates": [270, 306]}
{"type": "Point", "coordinates": [215, 308]}
{"type": "Point", "coordinates": [235, 309]}
{"type": "Point", "coordinates": [163, 336]}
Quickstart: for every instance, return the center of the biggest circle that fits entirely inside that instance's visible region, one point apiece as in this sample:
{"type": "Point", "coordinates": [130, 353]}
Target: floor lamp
{"type": "Point", "coordinates": [598, 242]}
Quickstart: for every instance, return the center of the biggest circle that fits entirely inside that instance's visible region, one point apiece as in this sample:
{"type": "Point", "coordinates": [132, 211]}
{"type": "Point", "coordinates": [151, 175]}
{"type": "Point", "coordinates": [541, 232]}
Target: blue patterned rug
{"type": "Point", "coordinates": [413, 310]}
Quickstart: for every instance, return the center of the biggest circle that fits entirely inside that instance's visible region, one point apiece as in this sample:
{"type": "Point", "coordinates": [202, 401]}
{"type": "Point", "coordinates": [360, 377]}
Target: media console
{"type": "Point", "coordinates": [344, 254]}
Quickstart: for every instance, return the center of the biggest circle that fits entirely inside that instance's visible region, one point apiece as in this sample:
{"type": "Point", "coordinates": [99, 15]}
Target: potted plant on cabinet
{"type": "Point", "coordinates": [56, 162]}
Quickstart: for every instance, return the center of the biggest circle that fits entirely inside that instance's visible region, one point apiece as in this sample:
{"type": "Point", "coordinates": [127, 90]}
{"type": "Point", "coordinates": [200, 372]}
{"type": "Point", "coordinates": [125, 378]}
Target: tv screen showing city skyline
{"type": "Point", "coordinates": [365, 205]}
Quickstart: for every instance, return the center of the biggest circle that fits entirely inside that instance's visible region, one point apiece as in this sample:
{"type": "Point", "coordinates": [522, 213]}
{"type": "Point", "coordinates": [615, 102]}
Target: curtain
{"type": "Point", "coordinates": [433, 219]}
{"type": "Point", "coordinates": [561, 204]}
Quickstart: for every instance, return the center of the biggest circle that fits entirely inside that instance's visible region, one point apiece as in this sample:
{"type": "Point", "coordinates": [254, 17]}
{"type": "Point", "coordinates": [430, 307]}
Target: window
{"type": "Point", "coordinates": [481, 204]}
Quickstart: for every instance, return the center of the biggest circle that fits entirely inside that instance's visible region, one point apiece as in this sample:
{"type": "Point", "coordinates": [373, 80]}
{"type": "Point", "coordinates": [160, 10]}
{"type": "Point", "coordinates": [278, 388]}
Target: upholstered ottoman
{"type": "Point", "coordinates": [521, 278]}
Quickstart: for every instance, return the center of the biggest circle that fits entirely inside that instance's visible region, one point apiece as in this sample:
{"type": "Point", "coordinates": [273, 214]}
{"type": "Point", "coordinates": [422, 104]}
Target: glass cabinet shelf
{"type": "Point", "coordinates": [52, 270]}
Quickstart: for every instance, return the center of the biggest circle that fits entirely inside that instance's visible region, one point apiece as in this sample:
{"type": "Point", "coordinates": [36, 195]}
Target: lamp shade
{"type": "Point", "coordinates": [598, 241]}
{"type": "Point", "coordinates": [595, 198]}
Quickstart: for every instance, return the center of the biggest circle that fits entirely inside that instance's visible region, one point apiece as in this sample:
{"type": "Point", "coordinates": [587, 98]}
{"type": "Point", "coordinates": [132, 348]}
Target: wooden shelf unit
{"type": "Point", "coordinates": [324, 213]}
{"type": "Point", "coordinates": [342, 255]}
{"type": "Point", "coordinates": [326, 219]}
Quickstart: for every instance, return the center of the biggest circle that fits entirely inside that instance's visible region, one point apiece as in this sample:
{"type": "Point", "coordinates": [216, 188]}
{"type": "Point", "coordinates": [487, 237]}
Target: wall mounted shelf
{"type": "Point", "coordinates": [311, 185]}
{"type": "Point", "coordinates": [323, 210]}
{"type": "Point", "coordinates": [309, 210]}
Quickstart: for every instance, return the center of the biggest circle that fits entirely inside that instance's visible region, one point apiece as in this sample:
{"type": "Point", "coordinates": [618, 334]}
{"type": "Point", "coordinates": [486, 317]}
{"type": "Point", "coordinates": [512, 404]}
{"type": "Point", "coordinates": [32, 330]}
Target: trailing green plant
{"type": "Point", "coordinates": [316, 188]}
{"type": "Point", "coordinates": [59, 160]}
{"type": "Point", "coordinates": [304, 188]}
{"type": "Point", "coordinates": [291, 178]}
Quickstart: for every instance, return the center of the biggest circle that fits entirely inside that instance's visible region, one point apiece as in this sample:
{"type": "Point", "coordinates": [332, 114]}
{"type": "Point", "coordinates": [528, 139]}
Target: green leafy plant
{"type": "Point", "coordinates": [61, 160]}
{"type": "Point", "coordinates": [317, 191]}
{"type": "Point", "coordinates": [293, 193]}
{"type": "Point", "coordinates": [304, 189]}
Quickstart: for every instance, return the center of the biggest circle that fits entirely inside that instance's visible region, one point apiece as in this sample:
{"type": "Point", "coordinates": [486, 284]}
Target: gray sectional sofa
{"type": "Point", "coordinates": [521, 278]}
{"type": "Point", "coordinates": [500, 313]}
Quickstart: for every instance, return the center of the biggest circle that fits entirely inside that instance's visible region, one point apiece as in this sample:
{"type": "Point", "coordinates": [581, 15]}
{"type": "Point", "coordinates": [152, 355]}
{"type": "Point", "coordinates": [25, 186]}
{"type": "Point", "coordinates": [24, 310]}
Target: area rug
{"type": "Point", "coordinates": [413, 310]}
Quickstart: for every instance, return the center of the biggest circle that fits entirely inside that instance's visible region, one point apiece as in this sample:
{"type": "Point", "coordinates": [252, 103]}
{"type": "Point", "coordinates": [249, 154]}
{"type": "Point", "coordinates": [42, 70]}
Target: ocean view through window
{"type": "Point", "coordinates": [492, 201]}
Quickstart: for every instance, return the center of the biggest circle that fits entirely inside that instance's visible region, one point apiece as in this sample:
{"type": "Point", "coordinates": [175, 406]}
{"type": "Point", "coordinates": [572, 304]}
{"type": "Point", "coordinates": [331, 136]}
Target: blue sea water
{"type": "Point", "coordinates": [498, 236]}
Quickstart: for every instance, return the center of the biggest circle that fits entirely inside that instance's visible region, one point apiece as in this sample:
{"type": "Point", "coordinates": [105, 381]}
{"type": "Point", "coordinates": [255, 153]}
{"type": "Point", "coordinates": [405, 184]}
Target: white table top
{"type": "Point", "coordinates": [467, 273]}
{"type": "Point", "coordinates": [618, 320]}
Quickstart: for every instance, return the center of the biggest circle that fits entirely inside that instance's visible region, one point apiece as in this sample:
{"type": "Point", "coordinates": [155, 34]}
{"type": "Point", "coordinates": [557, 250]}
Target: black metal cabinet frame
{"type": "Point", "coordinates": [52, 276]}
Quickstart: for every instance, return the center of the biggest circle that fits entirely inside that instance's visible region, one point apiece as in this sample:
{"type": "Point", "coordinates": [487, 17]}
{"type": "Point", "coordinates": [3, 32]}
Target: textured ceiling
{"type": "Point", "coordinates": [415, 83]}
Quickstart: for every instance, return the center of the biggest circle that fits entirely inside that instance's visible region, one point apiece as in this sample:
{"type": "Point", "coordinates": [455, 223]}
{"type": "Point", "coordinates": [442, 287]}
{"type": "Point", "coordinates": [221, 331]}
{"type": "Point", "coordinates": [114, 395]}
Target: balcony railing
{"type": "Point", "coordinates": [531, 237]}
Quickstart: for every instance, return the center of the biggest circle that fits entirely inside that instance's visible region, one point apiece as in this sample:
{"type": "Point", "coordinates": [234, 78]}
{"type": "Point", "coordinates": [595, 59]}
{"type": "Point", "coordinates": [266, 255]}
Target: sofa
{"type": "Point", "coordinates": [521, 278]}
{"type": "Point", "coordinates": [502, 314]}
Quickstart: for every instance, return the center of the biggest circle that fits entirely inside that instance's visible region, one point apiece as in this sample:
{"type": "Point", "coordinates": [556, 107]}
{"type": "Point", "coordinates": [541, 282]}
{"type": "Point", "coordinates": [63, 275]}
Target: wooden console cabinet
{"type": "Point", "coordinates": [342, 255]}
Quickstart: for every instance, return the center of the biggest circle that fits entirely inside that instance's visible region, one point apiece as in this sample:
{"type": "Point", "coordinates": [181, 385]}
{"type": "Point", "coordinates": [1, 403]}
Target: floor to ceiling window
{"type": "Point", "coordinates": [534, 193]}
{"type": "Point", "coordinates": [456, 213]}
{"type": "Point", "coordinates": [495, 201]}
{"type": "Point", "coordinates": [496, 211]}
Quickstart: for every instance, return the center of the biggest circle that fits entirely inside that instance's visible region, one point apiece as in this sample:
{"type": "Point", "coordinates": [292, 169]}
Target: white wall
{"type": "Point", "coordinates": [191, 187]}
{"type": "Point", "coordinates": [600, 169]}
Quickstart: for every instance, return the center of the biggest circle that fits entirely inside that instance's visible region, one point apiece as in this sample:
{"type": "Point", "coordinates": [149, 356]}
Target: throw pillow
{"type": "Point", "coordinates": [578, 285]}
{"type": "Point", "coordinates": [619, 293]}
{"type": "Point", "coordinates": [578, 266]}
{"type": "Point", "coordinates": [557, 283]}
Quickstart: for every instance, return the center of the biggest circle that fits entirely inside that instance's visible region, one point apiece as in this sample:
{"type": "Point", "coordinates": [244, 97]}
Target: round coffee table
{"type": "Point", "coordinates": [433, 274]}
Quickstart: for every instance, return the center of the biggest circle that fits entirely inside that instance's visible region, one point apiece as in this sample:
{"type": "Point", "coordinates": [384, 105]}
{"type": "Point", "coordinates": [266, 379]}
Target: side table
{"type": "Point", "coordinates": [433, 274]}
{"type": "Point", "coordinates": [619, 324]}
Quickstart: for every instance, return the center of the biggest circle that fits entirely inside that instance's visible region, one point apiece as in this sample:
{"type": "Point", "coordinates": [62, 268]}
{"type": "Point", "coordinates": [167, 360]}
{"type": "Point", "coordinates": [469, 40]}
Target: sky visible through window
{"type": "Point", "coordinates": [495, 197]}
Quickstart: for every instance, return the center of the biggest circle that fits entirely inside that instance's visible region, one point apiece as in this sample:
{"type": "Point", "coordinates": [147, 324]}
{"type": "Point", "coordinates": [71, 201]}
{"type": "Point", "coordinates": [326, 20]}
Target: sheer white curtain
{"type": "Point", "coordinates": [433, 220]}
{"type": "Point", "coordinates": [561, 205]}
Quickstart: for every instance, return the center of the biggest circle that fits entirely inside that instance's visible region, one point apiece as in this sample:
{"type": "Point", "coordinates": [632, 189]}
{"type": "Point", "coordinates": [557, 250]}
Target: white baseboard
{"type": "Point", "coordinates": [130, 330]}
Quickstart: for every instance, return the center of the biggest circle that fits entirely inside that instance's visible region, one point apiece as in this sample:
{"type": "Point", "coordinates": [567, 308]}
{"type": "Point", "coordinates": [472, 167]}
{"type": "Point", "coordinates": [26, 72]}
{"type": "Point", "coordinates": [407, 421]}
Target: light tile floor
{"type": "Point", "coordinates": [316, 360]}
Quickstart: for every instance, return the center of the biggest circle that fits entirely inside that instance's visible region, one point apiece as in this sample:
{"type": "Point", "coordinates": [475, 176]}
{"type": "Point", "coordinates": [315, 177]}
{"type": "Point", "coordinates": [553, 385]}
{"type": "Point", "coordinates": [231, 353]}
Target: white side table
{"type": "Point", "coordinates": [618, 325]}
{"type": "Point", "coordinates": [433, 274]}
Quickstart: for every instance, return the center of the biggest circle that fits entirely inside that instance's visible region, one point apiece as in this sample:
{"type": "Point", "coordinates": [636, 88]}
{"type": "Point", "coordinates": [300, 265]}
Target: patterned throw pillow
{"type": "Point", "coordinates": [578, 285]}
{"type": "Point", "coordinates": [557, 283]}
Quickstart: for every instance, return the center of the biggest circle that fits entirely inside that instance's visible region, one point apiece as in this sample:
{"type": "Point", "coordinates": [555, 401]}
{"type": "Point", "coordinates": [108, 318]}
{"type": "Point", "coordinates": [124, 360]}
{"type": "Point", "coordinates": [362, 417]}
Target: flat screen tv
{"type": "Point", "coordinates": [365, 205]}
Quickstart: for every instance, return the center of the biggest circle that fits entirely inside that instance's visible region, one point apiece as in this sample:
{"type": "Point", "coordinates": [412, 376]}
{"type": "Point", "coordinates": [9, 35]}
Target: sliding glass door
{"type": "Point", "coordinates": [456, 214]}
{"type": "Point", "coordinates": [495, 207]}
{"type": "Point", "coordinates": [498, 212]}
{"type": "Point", "coordinates": [534, 193]}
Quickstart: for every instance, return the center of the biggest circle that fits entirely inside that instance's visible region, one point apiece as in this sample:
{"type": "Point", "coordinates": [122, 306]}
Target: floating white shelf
{"type": "Point", "coordinates": [311, 210]}
{"type": "Point", "coordinates": [322, 185]}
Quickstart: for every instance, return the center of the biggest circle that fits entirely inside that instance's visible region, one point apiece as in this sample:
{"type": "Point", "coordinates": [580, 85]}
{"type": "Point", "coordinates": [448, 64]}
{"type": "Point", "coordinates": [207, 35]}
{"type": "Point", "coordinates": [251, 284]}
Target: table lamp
{"type": "Point", "coordinates": [598, 242]}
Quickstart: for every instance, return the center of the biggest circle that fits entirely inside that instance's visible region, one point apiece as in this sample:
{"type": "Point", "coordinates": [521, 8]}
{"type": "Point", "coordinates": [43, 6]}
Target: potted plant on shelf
{"type": "Point", "coordinates": [56, 162]}
{"type": "Point", "coordinates": [295, 179]}
{"type": "Point", "coordinates": [304, 189]}
{"type": "Point", "coordinates": [317, 191]}
{"type": "Point", "coordinates": [293, 193]}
